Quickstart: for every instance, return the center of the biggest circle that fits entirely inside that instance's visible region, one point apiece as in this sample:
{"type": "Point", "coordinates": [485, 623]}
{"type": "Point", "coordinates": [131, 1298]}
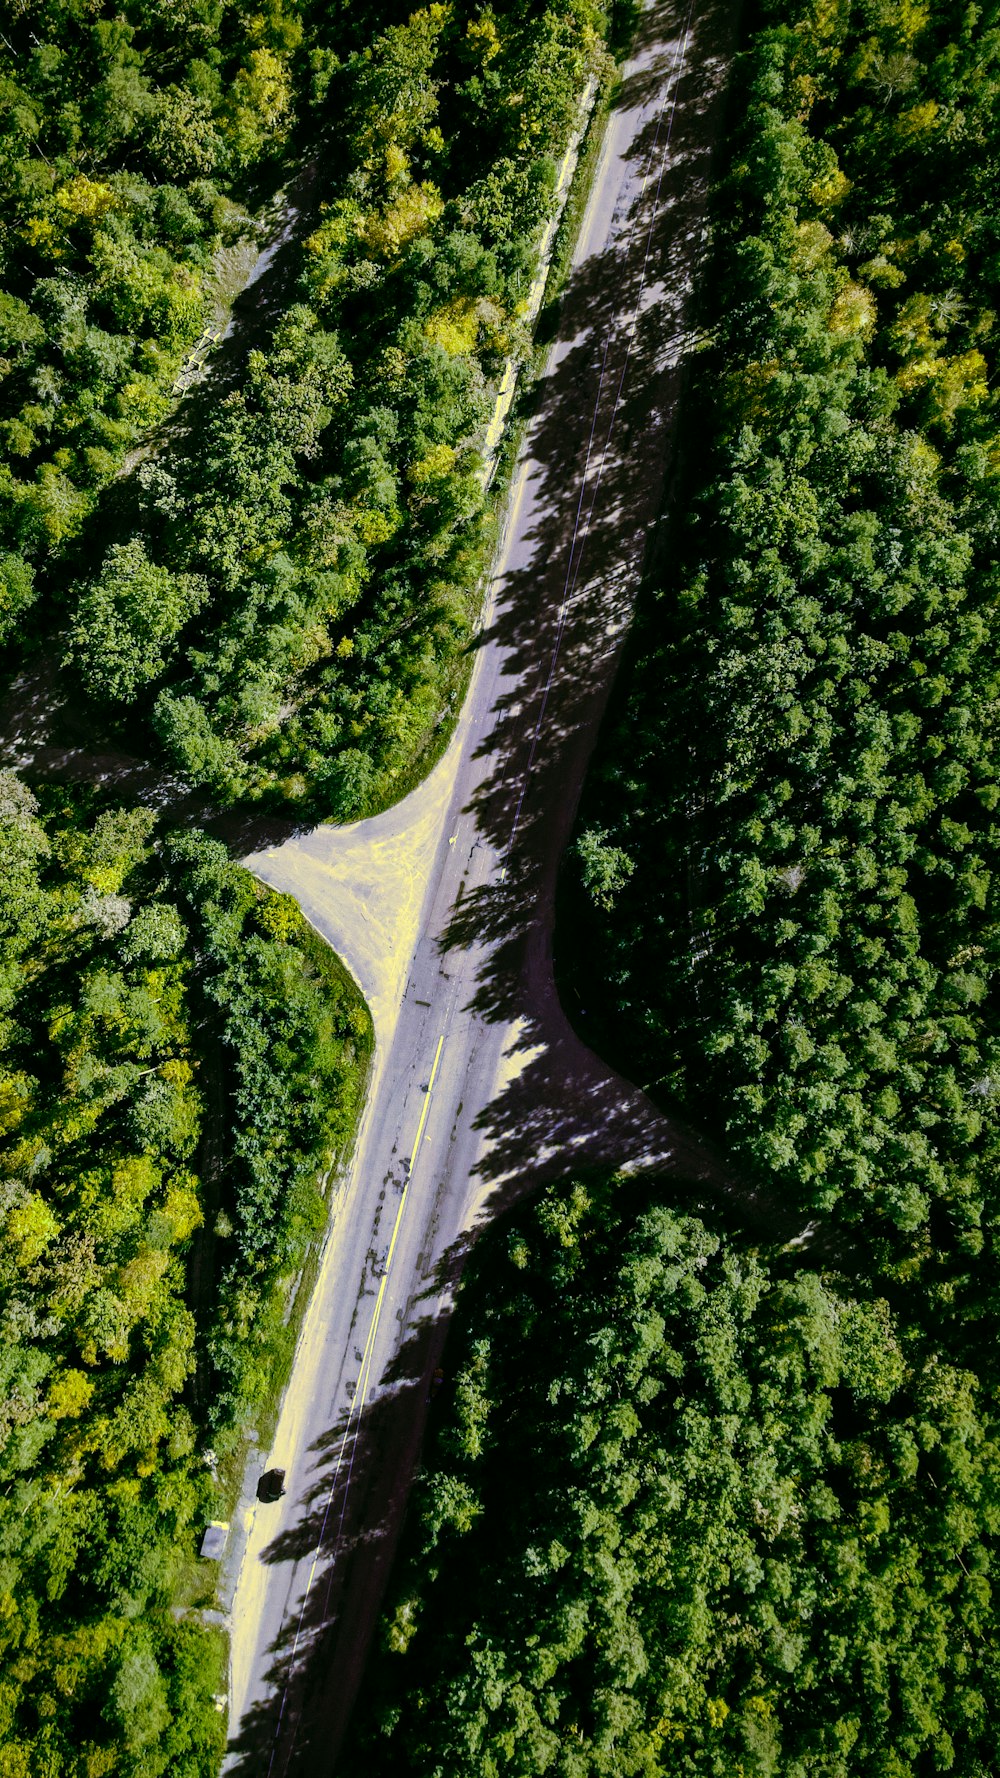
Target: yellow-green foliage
{"type": "Point", "coordinates": [121, 143]}
{"type": "Point", "coordinates": [106, 1040]}
{"type": "Point", "coordinates": [281, 581]}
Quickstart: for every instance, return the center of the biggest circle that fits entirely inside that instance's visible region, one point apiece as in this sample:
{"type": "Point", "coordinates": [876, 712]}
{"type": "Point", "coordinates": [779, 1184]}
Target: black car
{"type": "Point", "coordinates": [271, 1485]}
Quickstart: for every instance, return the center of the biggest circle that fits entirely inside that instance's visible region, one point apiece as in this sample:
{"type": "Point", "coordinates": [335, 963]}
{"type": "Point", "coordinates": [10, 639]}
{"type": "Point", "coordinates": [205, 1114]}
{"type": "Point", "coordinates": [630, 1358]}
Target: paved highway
{"type": "Point", "coordinates": [443, 907]}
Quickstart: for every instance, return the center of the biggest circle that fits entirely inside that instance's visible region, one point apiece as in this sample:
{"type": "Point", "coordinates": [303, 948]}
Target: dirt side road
{"type": "Point", "coordinates": [443, 908]}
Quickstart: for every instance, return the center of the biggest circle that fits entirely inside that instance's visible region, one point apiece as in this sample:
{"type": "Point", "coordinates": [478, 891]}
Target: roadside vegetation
{"type": "Point", "coordinates": [697, 1499]}
{"type": "Point", "coordinates": [274, 584]}
{"type": "Point", "coordinates": [285, 588]}
{"type": "Point", "coordinates": [690, 1508]}
{"type": "Point", "coordinates": [806, 761]}
{"type": "Point", "coordinates": [269, 584]}
{"type": "Point", "coordinates": [129, 137]}
{"type": "Point", "coordinates": [179, 1061]}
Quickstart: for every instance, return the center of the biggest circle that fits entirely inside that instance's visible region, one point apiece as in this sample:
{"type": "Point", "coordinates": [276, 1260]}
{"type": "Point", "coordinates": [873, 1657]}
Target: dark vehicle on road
{"type": "Point", "coordinates": [271, 1485]}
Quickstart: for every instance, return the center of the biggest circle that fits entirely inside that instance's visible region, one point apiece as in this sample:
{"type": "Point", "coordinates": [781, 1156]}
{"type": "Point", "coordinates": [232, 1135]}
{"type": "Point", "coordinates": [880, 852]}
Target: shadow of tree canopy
{"type": "Point", "coordinates": [348, 1514]}
{"type": "Point", "coordinates": [598, 430]}
{"type": "Point", "coordinates": [52, 737]}
{"type": "Point", "coordinates": [600, 425]}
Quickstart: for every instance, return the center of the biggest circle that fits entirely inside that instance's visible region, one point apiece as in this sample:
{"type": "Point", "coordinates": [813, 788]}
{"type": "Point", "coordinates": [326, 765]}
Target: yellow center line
{"type": "Point", "coordinates": [366, 1360]}
{"type": "Point", "coordinates": [427, 1102]}
{"type": "Point", "coordinates": [364, 1377]}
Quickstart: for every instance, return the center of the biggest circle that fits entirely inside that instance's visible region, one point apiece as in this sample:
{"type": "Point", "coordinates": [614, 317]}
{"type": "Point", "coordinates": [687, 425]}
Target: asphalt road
{"type": "Point", "coordinates": [443, 908]}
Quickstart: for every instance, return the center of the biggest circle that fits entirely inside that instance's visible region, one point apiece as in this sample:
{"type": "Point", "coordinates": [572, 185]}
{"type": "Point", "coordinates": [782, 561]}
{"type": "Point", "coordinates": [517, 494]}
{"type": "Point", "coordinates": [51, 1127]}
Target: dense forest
{"type": "Point", "coordinates": [697, 1499]}
{"type": "Point", "coordinates": [806, 762]}
{"type": "Point", "coordinates": [284, 581]}
{"type": "Point", "coordinates": [177, 1050]}
{"type": "Point", "coordinates": [690, 1509]}
{"type": "Point", "coordinates": [254, 554]}
{"type": "Point", "coordinates": [123, 138]}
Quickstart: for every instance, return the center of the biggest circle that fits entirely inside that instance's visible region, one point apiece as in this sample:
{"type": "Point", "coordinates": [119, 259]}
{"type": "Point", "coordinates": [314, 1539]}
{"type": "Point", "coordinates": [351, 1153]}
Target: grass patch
{"type": "Point", "coordinates": [568, 231]}
{"type": "Point", "coordinates": [195, 1585]}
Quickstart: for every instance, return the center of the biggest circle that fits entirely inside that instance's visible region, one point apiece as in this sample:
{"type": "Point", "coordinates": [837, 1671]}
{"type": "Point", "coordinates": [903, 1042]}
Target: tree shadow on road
{"type": "Point", "coordinates": [559, 616]}
{"type": "Point", "coordinates": [348, 1515]}
{"type": "Point", "coordinates": [614, 383]}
